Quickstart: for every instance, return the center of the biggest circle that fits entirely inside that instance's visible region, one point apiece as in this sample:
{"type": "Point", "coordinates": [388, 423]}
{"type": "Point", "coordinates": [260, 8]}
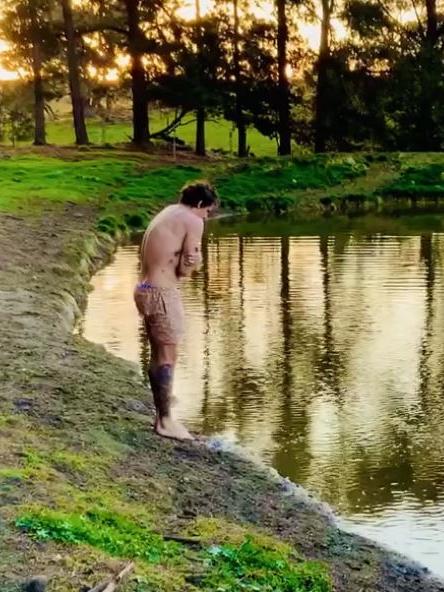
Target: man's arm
{"type": "Point", "coordinates": [143, 254]}
{"type": "Point", "coordinates": [191, 256]}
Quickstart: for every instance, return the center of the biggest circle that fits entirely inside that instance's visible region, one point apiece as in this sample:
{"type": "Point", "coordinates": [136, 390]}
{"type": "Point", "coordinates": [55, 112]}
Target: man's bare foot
{"type": "Point", "coordinates": [168, 428]}
{"type": "Point", "coordinates": [199, 437]}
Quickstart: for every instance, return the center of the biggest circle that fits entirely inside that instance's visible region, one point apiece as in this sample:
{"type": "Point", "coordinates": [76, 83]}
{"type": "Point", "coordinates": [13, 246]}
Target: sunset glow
{"type": "Point", "coordinates": [5, 74]}
{"type": "Point", "coordinates": [310, 32]}
{"type": "Point", "coordinates": [264, 10]}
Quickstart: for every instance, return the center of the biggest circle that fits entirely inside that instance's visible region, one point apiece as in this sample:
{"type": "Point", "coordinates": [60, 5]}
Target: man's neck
{"type": "Point", "coordinates": [191, 209]}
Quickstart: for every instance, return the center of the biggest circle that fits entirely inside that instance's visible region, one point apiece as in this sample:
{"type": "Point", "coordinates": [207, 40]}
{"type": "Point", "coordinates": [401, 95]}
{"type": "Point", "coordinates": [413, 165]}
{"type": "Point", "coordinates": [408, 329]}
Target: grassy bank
{"type": "Point", "coordinates": [84, 484]}
{"type": "Point", "coordinates": [128, 187]}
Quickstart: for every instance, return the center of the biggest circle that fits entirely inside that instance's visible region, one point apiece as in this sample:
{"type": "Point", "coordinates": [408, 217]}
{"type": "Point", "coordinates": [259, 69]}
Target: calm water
{"type": "Point", "coordinates": [323, 354]}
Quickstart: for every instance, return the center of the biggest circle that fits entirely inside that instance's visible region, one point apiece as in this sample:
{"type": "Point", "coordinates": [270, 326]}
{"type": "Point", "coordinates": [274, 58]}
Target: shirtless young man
{"type": "Point", "coordinates": [171, 250]}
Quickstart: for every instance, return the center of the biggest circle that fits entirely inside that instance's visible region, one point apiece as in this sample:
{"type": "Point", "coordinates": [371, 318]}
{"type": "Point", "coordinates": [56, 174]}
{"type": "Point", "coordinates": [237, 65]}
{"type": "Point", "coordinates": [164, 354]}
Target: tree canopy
{"type": "Point", "coordinates": [375, 80]}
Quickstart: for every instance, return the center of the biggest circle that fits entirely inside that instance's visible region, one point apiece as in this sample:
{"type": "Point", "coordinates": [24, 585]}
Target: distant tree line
{"type": "Point", "coordinates": [378, 86]}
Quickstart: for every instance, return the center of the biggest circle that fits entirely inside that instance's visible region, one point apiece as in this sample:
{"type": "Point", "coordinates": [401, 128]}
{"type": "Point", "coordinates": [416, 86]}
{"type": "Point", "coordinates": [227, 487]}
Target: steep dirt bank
{"type": "Point", "coordinates": [75, 430]}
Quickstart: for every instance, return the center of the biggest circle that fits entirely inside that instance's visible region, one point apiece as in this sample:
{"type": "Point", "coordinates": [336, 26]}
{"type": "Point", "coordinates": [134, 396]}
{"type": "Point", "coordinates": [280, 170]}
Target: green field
{"type": "Point", "coordinates": [218, 133]}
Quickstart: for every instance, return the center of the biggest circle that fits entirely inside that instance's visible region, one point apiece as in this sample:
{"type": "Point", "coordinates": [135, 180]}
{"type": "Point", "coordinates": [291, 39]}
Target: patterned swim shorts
{"type": "Point", "coordinates": [163, 312]}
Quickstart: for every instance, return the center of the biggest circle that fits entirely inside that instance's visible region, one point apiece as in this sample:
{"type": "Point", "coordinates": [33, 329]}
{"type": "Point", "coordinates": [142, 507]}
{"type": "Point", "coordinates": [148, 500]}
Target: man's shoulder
{"type": "Point", "coordinates": [175, 213]}
{"type": "Point", "coordinates": [164, 216]}
{"type": "Point", "coordinates": [193, 222]}
{"type": "Point", "coordinates": [167, 211]}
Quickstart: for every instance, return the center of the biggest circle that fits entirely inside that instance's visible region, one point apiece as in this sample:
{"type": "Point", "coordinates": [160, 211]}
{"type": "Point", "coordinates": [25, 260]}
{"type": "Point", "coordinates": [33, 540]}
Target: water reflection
{"type": "Point", "coordinates": [324, 354]}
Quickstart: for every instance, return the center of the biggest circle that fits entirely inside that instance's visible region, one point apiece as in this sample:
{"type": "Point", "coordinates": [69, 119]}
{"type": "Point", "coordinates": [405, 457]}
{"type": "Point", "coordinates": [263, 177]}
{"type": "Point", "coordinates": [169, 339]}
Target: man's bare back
{"type": "Point", "coordinates": [171, 246]}
{"type": "Point", "coordinates": [171, 250]}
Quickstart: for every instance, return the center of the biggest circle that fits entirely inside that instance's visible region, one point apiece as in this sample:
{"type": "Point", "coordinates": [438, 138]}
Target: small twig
{"type": "Point", "coordinates": [119, 577]}
{"type": "Point", "coordinates": [111, 585]}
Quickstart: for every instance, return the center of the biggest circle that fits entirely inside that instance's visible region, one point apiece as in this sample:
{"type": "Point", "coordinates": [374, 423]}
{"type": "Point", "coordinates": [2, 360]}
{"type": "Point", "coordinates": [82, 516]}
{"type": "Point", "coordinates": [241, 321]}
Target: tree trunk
{"type": "Point", "coordinates": [200, 131]}
{"type": "Point", "coordinates": [141, 132]}
{"type": "Point", "coordinates": [429, 134]}
{"type": "Point", "coordinates": [242, 149]}
{"type": "Point", "coordinates": [39, 96]}
{"type": "Point", "coordinates": [78, 105]}
{"type": "Point", "coordinates": [240, 119]}
{"type": "Point", "coordinates": [283, 84]}
{"type": "Point", "coordinates": [432, 23]}
{"type": "Point", "coordinates": [321, 106]}
{"type": "Point", "coordinates": [200, 148]}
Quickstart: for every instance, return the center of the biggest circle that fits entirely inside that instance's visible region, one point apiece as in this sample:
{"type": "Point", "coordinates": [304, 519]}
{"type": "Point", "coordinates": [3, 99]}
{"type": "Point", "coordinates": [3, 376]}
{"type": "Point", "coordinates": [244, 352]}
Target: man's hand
{"type": "Point", "coordinates": [190, 259]}
{"type": "Point", "coordinates": [188, 264]}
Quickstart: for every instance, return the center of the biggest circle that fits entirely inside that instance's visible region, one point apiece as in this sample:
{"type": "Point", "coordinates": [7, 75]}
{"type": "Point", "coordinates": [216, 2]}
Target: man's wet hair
{"type": "Point", "coordinates": [198, 194]}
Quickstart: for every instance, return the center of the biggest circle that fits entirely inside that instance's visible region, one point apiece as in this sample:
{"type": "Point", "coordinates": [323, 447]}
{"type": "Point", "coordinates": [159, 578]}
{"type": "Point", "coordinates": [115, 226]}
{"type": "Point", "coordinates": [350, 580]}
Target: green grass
{"type": "Point", "coordinates": [251, 568]}
{"type": "Point", "coordinates": [271, 185]}
{"type": "Point", "coordinates": [61, 132]}
{"type": "Point", "coordinates": [226, 567]}
{"type": "Point", "coordinates": [129, 191]}
{"type": "Point", "coordinates": [28, 180]}
{"type": "Point", "coordinates": [418, 182]}
{"type": "Point", "coordinates": [162, 183]}
{"type": "Point", "coordinates": [217, 133]}
{"type": "Point", "coordinates": [31, 183]}
{"type": "Point", "coordinates": [129, 187]}
{"type": "Point", "coordinates": [113, 533]}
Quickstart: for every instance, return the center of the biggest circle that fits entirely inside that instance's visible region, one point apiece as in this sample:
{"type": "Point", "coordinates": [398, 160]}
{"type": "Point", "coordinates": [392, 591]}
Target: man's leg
{"type": "Point", "coordinates": [161, 373]}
